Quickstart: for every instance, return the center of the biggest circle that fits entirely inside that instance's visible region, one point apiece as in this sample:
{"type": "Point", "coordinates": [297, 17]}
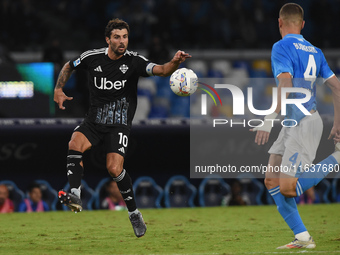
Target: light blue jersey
{"type": "Point", "coordinates": [294, 55]}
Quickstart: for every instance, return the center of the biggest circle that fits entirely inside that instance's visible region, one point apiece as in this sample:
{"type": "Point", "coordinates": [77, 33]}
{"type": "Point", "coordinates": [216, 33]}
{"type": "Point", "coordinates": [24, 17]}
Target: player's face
{"type": "Point", "coordinates": [118, 41]}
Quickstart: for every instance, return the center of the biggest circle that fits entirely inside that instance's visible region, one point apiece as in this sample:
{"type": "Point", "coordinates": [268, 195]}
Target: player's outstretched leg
{"type": "Point", "coordinates": [74, 174]}
{"type": "Point", "coordinates": [124, 184]}
{"type": "Point", "coordinates": [317, 173]}
{"type": "Point", "coordinates": [286, 206]}
{"type": "Point", "coordinates": [288, 209]}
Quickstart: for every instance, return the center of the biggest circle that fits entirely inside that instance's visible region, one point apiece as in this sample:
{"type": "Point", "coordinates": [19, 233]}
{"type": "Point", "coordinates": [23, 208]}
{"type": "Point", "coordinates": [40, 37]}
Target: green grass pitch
{"type": "Point", "coordinates": [218, 230]}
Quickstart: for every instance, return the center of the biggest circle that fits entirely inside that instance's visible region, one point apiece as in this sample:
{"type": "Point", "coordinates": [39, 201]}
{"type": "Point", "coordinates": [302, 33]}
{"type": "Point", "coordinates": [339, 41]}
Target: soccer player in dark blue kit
{"type": "Point", "coordinates": [297, 63]}
{"type": "Point", "coordinates": [113, 76]}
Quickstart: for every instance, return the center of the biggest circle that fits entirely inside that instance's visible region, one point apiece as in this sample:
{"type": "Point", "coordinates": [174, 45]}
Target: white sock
{"type": "Point", "coordinates": [76, 191]}
{"type": "Point", "coordinates": [303, 236]}
{"type": "Point", "coordinates": [135, 211]}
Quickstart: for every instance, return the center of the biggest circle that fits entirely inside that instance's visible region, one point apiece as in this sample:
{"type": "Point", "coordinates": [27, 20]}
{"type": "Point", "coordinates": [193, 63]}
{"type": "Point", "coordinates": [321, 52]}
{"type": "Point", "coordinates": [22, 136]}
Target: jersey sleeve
{"type": "Point", "coordinates": [78, 62]}
{"type": "Point", "coordinates": [325, 71]}
{"type": "Point", "coordinates": [144, 66]}
{"type": "Point", "coordinates": [281, 63]}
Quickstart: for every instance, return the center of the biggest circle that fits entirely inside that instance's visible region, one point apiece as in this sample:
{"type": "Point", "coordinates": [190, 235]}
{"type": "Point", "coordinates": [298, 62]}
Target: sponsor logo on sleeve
{"type": "Point", "coordinates": [76, 62]}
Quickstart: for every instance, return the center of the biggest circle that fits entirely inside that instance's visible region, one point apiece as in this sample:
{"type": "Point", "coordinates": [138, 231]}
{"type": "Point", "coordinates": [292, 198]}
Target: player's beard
{"type": "Point", "coordinates": [117, 50]}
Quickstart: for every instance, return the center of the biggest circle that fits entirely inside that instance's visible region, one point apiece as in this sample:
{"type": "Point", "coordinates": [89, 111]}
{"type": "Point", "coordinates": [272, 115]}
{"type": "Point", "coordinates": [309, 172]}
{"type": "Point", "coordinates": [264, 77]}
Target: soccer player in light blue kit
{"type": "Point", "coordinates": [297, 63]}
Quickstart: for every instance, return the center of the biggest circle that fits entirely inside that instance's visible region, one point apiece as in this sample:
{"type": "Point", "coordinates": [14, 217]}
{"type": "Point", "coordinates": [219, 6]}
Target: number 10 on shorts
{"type": "Point", "coordinates": [123, 139]}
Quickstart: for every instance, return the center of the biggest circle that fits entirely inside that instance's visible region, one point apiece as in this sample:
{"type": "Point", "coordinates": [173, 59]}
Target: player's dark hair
{"type": "Point", "coordinates": [115, 24]}
{"type": "Point", "coordinates": [291, 9]}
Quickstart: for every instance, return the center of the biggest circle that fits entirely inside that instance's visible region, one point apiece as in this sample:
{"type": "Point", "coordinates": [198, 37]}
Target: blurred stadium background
{"type": "Point", "coordinates": [227, 39]}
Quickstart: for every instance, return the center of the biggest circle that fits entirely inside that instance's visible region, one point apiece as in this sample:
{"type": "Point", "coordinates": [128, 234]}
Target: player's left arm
{"type": "Point", "coordinates": [263, 132]}
{"type": "Point", "coordinates": [170, 67]}
{"type": "Point", "coordinates": [334, 84]}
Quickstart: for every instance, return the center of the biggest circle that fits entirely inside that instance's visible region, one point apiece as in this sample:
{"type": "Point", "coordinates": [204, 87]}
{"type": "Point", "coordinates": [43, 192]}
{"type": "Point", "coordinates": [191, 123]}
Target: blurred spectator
{"type": "Point", "coordinates": [236, 197]}
{"type": "Point", "coordinates": [6, 205]}
{"type": "Point", "coordinates": [34, 202]}
{"type": "Point", "coordinates": [114, 200]}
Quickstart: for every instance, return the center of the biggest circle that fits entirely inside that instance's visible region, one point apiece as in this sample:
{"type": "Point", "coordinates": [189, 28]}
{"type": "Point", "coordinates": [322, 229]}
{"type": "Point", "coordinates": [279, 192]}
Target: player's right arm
{"type": "Point", "coordinates": [263, 132]}
{"type": "Point", "coordinates": [334, 84]}
{"type": "Point", "coordinates": [283, 71]}
{"type": "Point", "coordinates": [64, 76]}
{"type": "Point", "coordinates": [170, 67]}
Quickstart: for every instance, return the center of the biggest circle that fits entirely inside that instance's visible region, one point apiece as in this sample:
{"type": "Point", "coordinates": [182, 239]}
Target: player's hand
{"type": "Point", "coordinates": [261, 137]}
{"type": "Point", "coordinates": [335, 134]}
{"type": "Point", "coordinates": [180, 57]}
{"type": "Point", "coordinates": [60, 98]}
{"type": "Point", "coordinates": [263, 131]}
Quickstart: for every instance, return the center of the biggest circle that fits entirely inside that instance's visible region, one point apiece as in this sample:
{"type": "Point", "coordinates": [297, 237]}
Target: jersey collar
{"type": "Point", "coordinates": [294, 36]}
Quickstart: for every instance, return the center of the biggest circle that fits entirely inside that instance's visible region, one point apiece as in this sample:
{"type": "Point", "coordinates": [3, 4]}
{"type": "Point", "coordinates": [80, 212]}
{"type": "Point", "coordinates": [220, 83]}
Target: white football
{"type": "Point", "coordinates": [183, 82]}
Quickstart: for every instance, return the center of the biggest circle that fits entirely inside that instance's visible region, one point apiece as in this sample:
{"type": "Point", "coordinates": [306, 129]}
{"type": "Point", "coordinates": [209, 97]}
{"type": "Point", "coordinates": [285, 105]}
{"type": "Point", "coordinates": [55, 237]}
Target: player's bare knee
{"type": "Point", "coordinates": [287, 191]}
{"type": "Point", "coordinates": [73, 145]}
{"type": "Point", "coordinates": [271, 180]}
{"type": "Point", "coordinates": [114, 170]}
{"type": "Point", "coordinates": [269, 183]}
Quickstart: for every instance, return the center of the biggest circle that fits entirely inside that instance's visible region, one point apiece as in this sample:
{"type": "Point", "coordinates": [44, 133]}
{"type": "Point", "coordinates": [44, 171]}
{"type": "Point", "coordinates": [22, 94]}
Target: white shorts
{"type": "Point", "coordinates": [298, 145]}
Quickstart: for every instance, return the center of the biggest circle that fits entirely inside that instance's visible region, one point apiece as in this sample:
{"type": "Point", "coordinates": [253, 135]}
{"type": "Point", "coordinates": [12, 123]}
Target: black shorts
{"type": "Point", "coordinates": [114, 139]}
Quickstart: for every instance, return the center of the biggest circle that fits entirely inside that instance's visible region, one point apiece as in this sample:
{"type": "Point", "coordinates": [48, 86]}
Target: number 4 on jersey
{"type": "Point", "coordinates": [310, 73]}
